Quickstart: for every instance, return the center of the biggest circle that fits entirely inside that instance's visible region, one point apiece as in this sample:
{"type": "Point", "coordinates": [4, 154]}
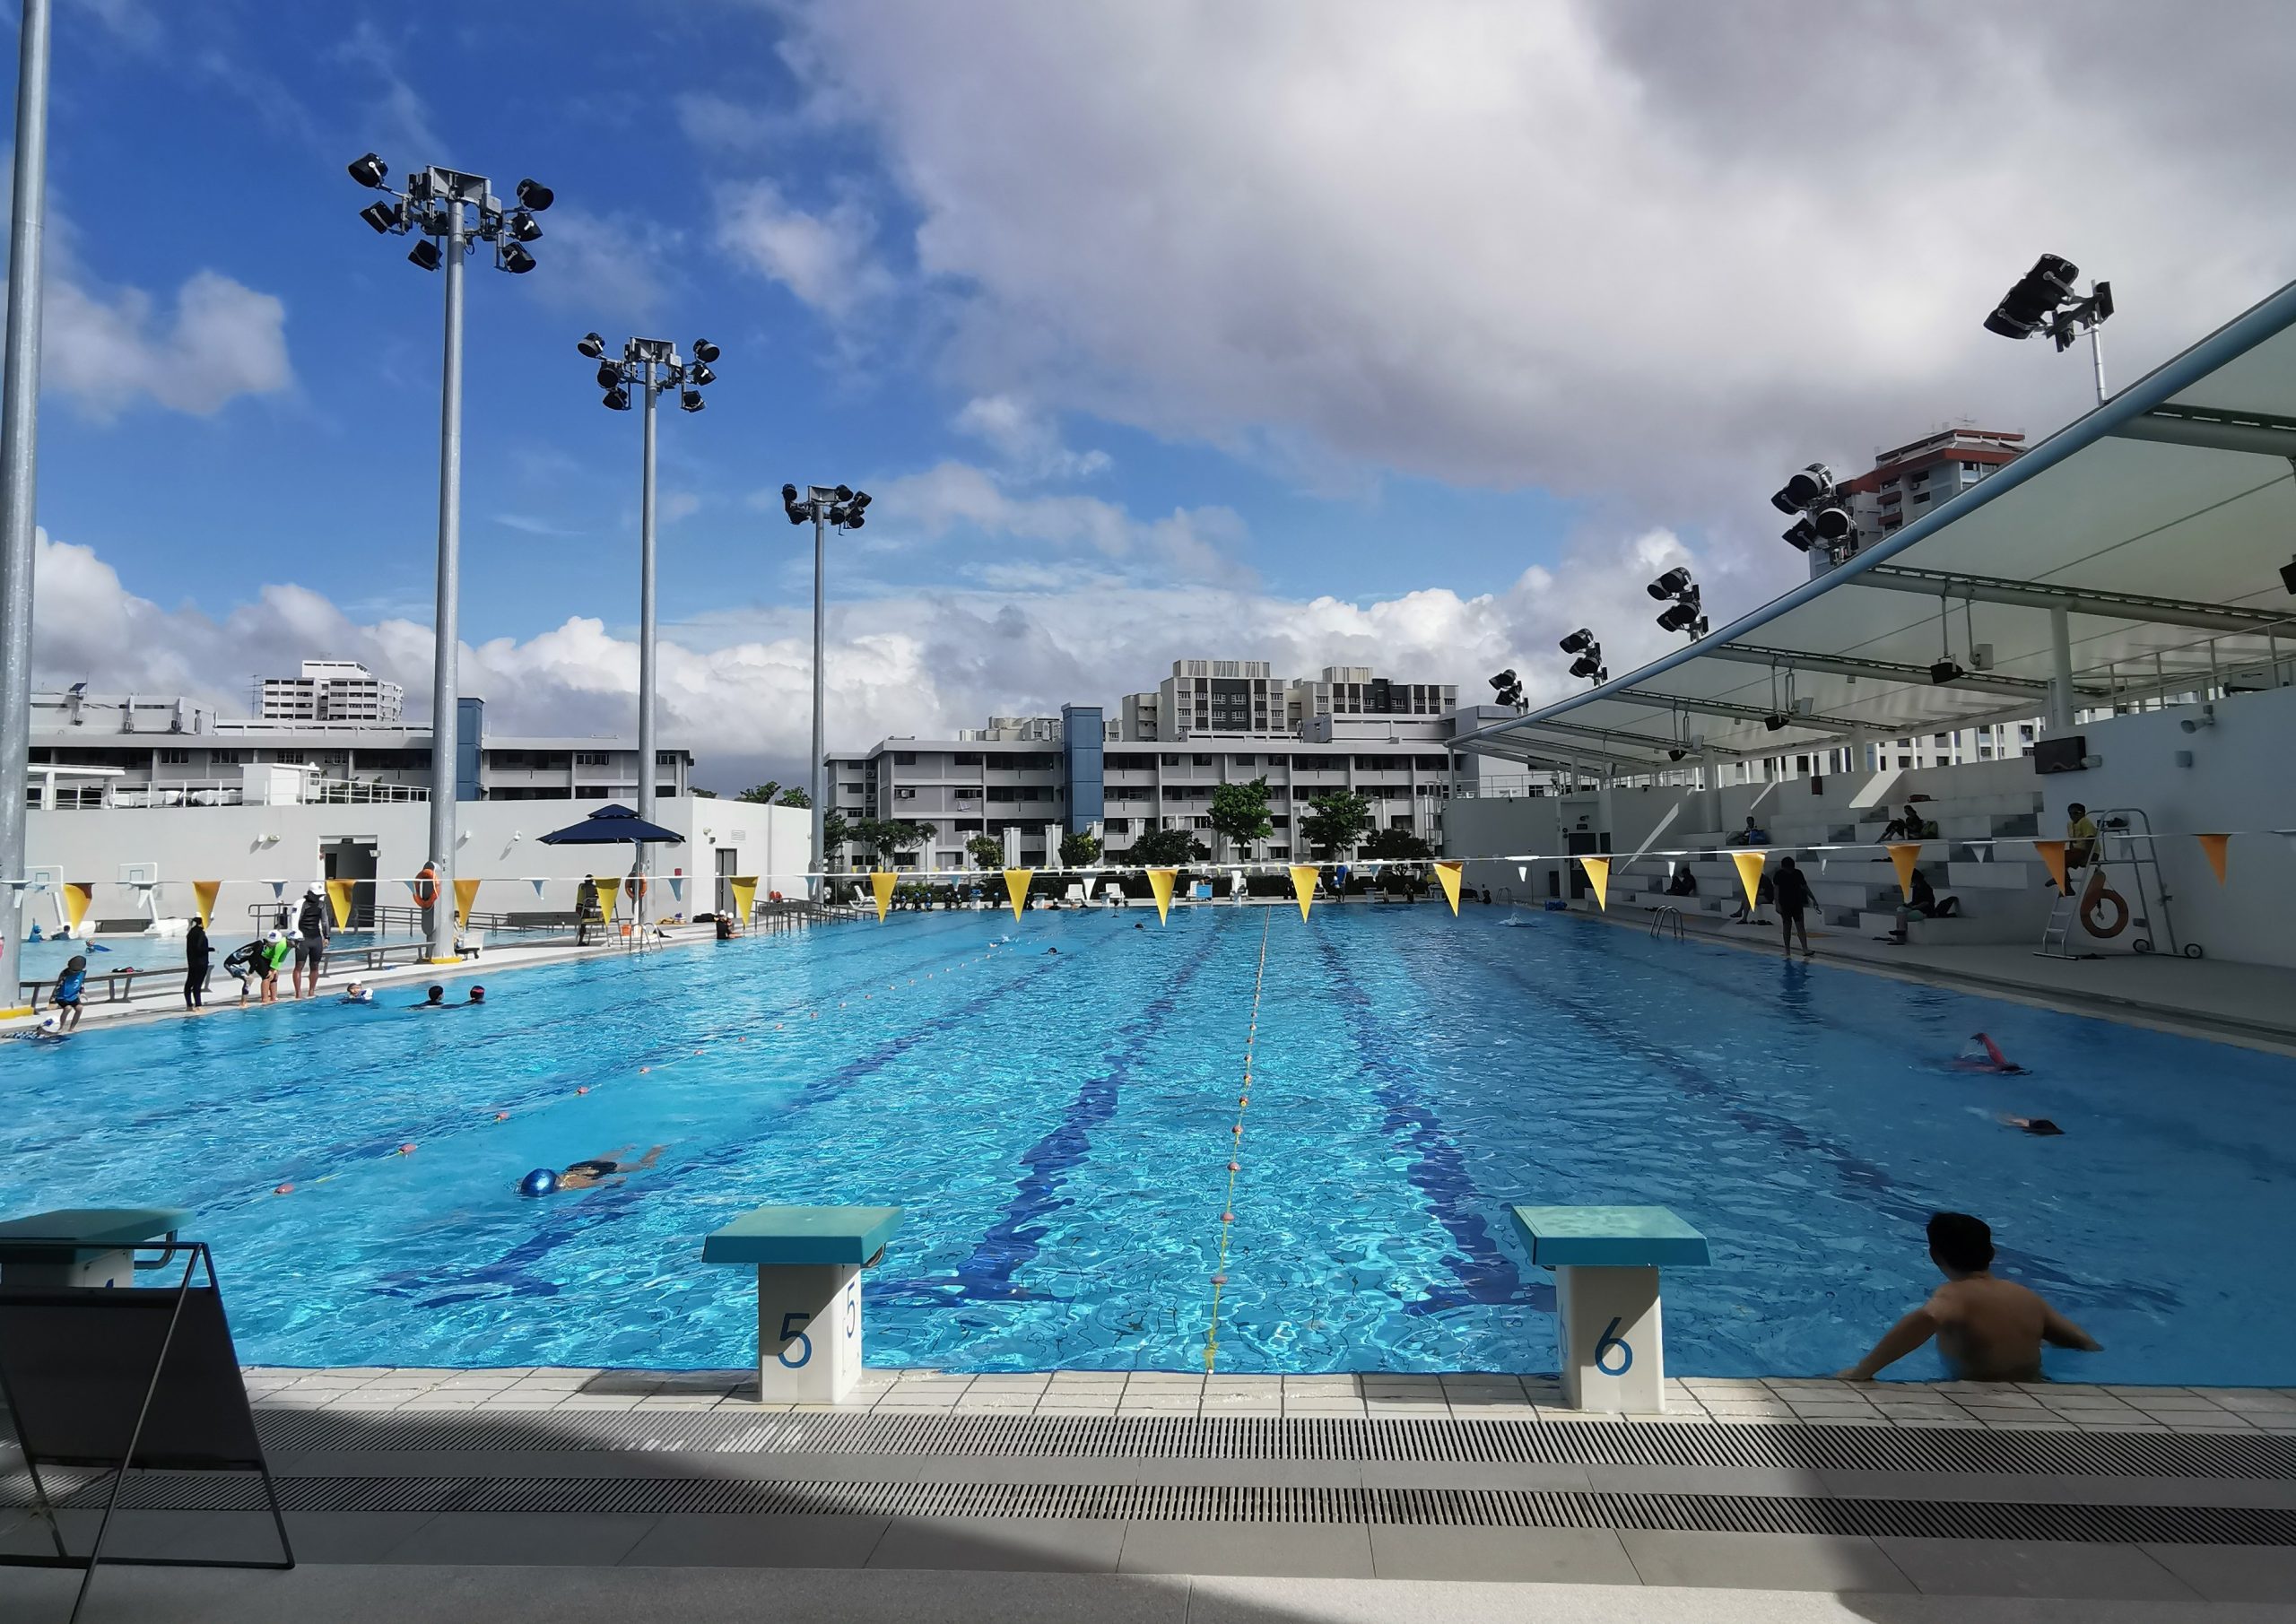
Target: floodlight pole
{"type": "Point", "coordinates": [19, 481]}
{"type": "Point", "coordinates": [2097, 355]}
{"type": "Point", "coordinates": [819, 784]}
{"type": "Point", "coordinates": [646, 774]}
{"type": "Point", "coordinates": [444, 684]}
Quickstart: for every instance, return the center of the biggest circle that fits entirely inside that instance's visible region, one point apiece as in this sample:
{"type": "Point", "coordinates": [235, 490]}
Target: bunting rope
{"type": "Point", "coordinates": [1236, 1150]}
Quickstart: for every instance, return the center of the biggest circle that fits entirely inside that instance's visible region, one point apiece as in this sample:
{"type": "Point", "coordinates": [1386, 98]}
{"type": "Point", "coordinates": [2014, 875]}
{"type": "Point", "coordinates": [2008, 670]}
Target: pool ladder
{"type": "Point", "coordinates": [1663, 916]}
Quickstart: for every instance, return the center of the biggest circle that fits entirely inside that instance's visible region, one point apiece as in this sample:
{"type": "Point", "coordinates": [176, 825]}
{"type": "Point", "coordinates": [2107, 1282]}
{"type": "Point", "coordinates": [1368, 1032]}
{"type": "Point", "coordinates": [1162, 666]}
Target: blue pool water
{"type": "Point", "coordinates": [1059, 1127]}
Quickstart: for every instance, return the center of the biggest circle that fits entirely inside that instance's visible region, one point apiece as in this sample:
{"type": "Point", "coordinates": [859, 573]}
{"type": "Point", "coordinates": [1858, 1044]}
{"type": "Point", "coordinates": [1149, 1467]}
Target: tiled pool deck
{"type": "Point", "coordinates": [1961, 1404]}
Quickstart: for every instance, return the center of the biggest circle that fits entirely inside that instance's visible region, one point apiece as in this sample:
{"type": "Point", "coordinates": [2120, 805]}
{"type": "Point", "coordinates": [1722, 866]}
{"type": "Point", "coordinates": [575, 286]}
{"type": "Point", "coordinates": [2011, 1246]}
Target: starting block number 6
{"type": "Point", "coordinates": [1608, 1343]}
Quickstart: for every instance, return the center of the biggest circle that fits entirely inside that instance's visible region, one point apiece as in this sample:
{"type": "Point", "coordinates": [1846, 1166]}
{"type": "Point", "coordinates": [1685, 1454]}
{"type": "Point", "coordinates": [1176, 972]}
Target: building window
{"type": "Point", "coordinates": [665, 758]}
{"type": "Point", "coordinates": [903, 792]}
{"type": "Point", "coordinates": [175, 757]}
{"type": "Point", "coordinates": [589, 757]}
{"type": "Point", "coordinates": [904, 758]}
{"type": "Point", "coordinates": [1200, 760]}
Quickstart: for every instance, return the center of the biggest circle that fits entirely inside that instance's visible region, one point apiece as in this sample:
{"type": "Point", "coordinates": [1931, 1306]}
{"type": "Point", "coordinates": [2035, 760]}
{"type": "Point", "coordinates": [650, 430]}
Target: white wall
{"type": "Point", "coordinates": [500, 847]}
{"type": "Point", "coordinates": [2242, 778]}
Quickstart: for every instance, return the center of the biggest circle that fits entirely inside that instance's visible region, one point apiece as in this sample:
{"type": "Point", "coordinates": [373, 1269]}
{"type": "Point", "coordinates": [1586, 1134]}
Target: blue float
{"type": "Point", "coordinates": [542, 1181]}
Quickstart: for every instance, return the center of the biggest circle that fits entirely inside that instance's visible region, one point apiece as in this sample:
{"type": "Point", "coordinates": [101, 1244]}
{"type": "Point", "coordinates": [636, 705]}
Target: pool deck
{"type": "Point", "coordinates": [576, 1494]}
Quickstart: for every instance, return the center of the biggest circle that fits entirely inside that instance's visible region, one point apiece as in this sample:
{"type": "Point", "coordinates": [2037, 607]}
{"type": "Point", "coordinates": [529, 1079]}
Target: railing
{"type": "Point", "coordinates": [218, 791]}
{"type": "Point", "coordinates": [1664, 916]}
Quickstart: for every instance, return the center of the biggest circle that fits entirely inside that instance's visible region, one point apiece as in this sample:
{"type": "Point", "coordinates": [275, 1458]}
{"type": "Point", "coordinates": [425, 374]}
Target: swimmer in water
{"type": "Point", "coordinates": [51, 1026]}
{"type": "Point", "coordinates": [478, 995]}
{"type": "Point", "coordinates": [2039, 1127]}
{"type": "Point", "coordinates": [1050, 951]}
{"type": "Point", "coordinates": [1981, 1053]}
{"type": "Point", "coordinates": [358, 992]}
{"type": "Point", "coordinates": [435, 999]}
{"type": "Point", "coordinates": [597, 1169]}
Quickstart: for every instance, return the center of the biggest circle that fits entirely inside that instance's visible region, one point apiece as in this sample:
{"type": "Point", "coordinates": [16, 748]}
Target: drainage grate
{"type": "Point", "coordinates": [1217, 1503]}
{"type": "Point", "coordinates": [1337, 1439]}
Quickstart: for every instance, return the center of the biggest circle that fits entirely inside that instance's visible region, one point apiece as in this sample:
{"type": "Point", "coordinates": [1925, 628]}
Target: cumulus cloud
{"type": "Point", "coordinates": [1027, 439]}
{"type": "Point", "coordinates": [824, 258]}
{"type": "Point", "coordinates": [609, 266]}
{"type": "Point", "coordinates": [1644, 250]}
{"type": "Point", "coordinates": [1190, 544]}
{"type": "Point", "coordinates": [736, 685]}
{"type": "Point", "coordinates": [106, 351]}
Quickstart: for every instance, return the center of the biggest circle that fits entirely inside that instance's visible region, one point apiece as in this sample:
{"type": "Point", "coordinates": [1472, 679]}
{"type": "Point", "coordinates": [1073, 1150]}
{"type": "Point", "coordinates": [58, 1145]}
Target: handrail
{"type": "Point", "coordinates": [1663, 915]}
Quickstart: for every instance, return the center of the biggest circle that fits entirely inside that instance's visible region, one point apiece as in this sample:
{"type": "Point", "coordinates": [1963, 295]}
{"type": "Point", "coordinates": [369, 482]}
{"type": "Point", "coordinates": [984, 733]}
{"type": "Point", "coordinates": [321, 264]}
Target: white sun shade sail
{"type": "Point", "coordinates": [2160, 523]}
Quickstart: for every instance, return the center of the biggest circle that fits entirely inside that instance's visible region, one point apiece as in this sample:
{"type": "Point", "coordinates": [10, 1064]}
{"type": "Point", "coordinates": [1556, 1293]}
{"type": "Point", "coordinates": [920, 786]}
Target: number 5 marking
{"type": "Point", "coordinates": [793, 1330]}
{"type": "Point", "coordinates": [852, 1310]}
{"type": "Point", "coordinates": [1607, 1341]}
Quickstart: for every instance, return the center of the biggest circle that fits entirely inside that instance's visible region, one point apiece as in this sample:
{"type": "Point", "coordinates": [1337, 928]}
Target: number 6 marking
{"type": "Point", "coordinates": [793, 1330]}
{"type": "Point", "coordinates": [1607, 1341]}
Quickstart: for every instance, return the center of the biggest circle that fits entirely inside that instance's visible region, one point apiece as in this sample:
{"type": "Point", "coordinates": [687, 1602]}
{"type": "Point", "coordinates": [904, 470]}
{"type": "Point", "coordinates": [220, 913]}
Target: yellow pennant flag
{"type": "Point", "coordinates": [1750, 874]}
{"type": "Point", "coordinates": [2214, 846]}
{"type": "Point", "coordinates": [609, 893]}
{"type": "Point", "coordinates": [465, 893]}
{"type": "Point", "coordinates": [76, 898]}
{"type": "Point", "coordinates": [1016, 887]}
{"type": "Point", "coordinates": [1598, 875]}
{"type": "Point", "coordinates": [202, 896]}
{"type": "Point", "coordinates": [1303, 885]}
{"type": "Point", "coordinates": [1449, 874]}
{"type": "Point", "coordinates": [338, 898]}
{"type": "Point", "coordinates": [1904, 855]}
{"type": "Point", "coordinates": [2052, 855]}
{"type": "Point", "coordinates": [1159, 886]}
{"type": "Point", "coordinates": [881, 883]}
{"type": "Point", "coordinates": [744, 889]}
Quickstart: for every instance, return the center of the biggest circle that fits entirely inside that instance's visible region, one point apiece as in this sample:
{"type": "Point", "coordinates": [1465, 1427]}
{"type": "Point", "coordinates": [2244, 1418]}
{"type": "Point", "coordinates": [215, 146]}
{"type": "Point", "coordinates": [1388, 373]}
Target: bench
{"type": "Point", "coordinates": [808, 1262]}
{"type": "Point", "coordinates": [1609, 1333]}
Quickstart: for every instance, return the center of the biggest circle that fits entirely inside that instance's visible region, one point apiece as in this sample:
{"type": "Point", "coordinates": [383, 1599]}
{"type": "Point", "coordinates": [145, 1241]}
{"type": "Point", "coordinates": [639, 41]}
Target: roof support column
{"type": "Point", "coordinates": [2060, 682]}
{"type": "Point", "coordinates": [1712, 764]}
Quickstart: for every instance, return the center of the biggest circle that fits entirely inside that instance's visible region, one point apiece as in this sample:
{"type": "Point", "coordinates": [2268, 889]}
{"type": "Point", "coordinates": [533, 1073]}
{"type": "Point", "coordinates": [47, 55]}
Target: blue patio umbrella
{"type": "Point", "coordinates": [612, 825]}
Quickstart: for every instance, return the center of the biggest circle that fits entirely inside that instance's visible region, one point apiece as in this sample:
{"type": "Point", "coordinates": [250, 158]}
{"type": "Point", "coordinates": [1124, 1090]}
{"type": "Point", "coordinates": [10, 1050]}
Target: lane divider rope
{"type": "Point", "coordinates": [1236, 1151]}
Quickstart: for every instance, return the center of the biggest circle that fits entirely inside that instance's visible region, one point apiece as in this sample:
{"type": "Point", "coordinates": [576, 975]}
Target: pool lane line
{"type": "Point", "coordinates": [1236, 1150]}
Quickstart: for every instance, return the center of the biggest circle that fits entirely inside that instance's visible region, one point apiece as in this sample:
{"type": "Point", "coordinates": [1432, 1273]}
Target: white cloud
{"type": "Point", "coordinates": [1188, 544]}
{"type": "Point", "coordinates": [718, 125]}
{"type": "Point", "coordinates": [824, 258]}
{"type": "Point", "coordinates": [1652, 250]}
{"type": "Point", "coordinates": [104, 351]}
{"type": "Point", "coordinates": [677, 504]}
{"type": "Point", "coordinates": [609, 266]}
{"type": "Point", "coordinates": [736, 684]}
{"type": "Point", "coordinates": [1027, 439]}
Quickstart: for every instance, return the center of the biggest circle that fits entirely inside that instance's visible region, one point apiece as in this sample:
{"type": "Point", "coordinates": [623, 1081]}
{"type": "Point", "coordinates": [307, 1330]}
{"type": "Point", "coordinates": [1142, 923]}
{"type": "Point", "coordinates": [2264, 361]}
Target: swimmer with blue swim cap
{"type": "Point", "coordinates": [583, 1175]}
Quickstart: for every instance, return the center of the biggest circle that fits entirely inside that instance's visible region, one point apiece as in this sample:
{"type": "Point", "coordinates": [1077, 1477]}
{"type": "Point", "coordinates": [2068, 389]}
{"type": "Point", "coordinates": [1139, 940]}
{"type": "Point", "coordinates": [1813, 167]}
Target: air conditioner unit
{"type": "Point", "coordinates": [139, 873]}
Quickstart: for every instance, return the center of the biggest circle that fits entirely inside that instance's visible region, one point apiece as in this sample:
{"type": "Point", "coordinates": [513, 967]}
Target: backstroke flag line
{"type": "Point", "coordinates": [76, 897]}
{"type": "Point", "coordinates": [2213, 847]}
{"type": "Point", "coordinates": [1598, 875]}
{"type": "Point", "coordinates": [1449, 874]}
{"type": "Point", "coordinates": [1016, 887]}
{"type": "Point", "coordinates": [1750, 875]}
{"type": "Point", "coordinates": [2052, 856]}
{"type": "Point", "coordinates": [338, 900]}
{"type": "Point", "coordinates": [465, 893]}
{"type": "Point", "coordinates": [881, 883]}
{"type": "Point", "coordinates": [202, 897]}
{"type": "Point", "coordinates": [609, 893]}
{"type": "Point", "coordinates": [1159, 886]}
{"type": "Point", "coordinates": [1303, 885]}
{"type": "Point", "coordinates": [744, 889]}
{"type": "Point", "coordinates": [1902, 857]}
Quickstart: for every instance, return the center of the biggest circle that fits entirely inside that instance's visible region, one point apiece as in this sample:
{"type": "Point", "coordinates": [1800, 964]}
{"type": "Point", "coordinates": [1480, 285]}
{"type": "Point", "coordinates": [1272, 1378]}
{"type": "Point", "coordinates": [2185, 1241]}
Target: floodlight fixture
{"type": "Point", "coordinates": [1675, 752]}
{"type": "Point", "coordinates": [382, 216]}
{"type": "Point", "coordinates": [1947, 671]}
{"type": "Point", "coordinates": [2043, 300]}
{"type": "Point", "coordinates": [1681, 617]}
{"type": "Point", "coordinates": [2288, 576]}
{"type": "Point", "coordinates": [617, 399]}
{"type": "Point", "coordinates": [591, 345]}
{"type": "Point", "coordinates": [704, 351]}
{"type": "Point", "coordinates": [426, 254]}
{"type": "Point", "coordinates": [609, 374]}
{"type": "Point", "coordinates": [699, 376]}
{"type": "Point", "coordinates": [516, 260]}
{"type": "Point", "coordinates": [860, 502]}
{"type": "Point", "coordinates": [1802, 536]}
{"type": "Point", "coordinates": [845, 493]}
{"type": "Point", "coordinates": [521, 226]}
{"type": "Point", "coordinates": [1774, 721]}
{"type": "Point", "coordinates": [1506, 679]}
{"type": "Point", "coordinates": [690, 400]}
{"type": "Point", "coordinates": [1672, 584]}
{"type": "Point", "coordinates": [1578, 641]}
{"type": "Point", "coordinates": [370, 171]}
{"type": "Point", "coordinates": [533, 196]}
{"type": "Point", "coordinates": [1813, 484]}
{"type": "Point", "coordinates": [1832, 524]}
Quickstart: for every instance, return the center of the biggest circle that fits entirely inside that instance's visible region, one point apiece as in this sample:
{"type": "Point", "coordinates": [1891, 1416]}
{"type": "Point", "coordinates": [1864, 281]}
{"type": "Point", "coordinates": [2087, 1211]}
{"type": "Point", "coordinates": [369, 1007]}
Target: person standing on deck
{"type": "Point", "coordinates": [196, 953]}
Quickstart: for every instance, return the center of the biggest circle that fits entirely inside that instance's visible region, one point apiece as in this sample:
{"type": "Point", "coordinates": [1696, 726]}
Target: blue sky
{"type": "Point", "coordinates": [1400, 338]}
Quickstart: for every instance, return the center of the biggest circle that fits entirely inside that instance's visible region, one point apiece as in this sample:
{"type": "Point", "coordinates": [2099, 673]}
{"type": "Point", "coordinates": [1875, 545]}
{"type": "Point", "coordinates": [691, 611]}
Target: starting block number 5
{"type": "Point", "coordinates": [793, 1339]}
{"type": "Point", "coordinates": [1608, 1343]}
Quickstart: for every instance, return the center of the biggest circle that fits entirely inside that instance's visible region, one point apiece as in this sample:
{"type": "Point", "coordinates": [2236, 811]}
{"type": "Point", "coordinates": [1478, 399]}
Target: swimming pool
{"type": "Point", "coordinates": [1059, 1127]}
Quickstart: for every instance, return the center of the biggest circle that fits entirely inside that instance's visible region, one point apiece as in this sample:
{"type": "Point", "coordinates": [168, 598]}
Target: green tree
{"type": "Point", "coordinates": [1078, 850]}
{"type": "Point", "coordinates": [1395, 846]}
{"type": "Point", "coordinates": [794, 796]}
{"type": "Point", "coordinates": [1167, 848]}
{"type": "Point", "coordinates": [760, 794]}
{"type": "Point", "coordinates": [1240, 812]}
{"type": "Point", "coordinates": [988, 852]}
{"type": "Point", "coordinates": [890, 840]}
{"type": "Point", "coordinates": [835, 832]}
{"type": "Point", "coordinates": [706, 794]}
{"type": "Point", "coordinates": [1335, 821]}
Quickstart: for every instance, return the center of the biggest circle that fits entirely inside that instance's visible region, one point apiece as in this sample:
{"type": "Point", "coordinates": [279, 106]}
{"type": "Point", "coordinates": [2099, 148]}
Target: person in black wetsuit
{"type": "Point", "coordinates": [196, 955]}
{"type": "Point", "coordinates": [1793, 900]}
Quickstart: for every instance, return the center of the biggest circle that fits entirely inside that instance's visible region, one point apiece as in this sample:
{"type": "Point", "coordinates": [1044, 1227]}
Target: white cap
{"type": "Point", "coordinates": [51, 1023]}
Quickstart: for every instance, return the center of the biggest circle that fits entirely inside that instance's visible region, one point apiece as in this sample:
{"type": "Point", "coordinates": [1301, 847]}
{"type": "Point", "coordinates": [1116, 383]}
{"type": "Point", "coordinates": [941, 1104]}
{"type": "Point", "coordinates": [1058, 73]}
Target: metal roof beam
{"type": "Point", "coordinates": [1724, 707]}
{"type": "Point", "coordinates": [2078, 600]}
{"type": "Point", "coordinates": [2259, 433]}
{"type": "Point", "coordinates": [1854, 666]}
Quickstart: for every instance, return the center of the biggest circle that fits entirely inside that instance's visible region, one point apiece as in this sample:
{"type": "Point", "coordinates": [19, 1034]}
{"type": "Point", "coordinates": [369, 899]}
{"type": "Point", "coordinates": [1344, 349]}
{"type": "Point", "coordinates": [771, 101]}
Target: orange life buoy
{"type": "Point", "coordinates": [425, 886]}
{"type": "Point", "coordinates": [2095, 900]}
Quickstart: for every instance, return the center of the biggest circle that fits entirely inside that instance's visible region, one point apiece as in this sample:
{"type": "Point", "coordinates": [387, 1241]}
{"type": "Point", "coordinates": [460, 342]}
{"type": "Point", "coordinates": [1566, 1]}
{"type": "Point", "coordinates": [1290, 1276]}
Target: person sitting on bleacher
{"type": "Point", "coordinates": [1765, 896]}
{"type": "Point", "coordinates": [1923, 904]}
{"type": "Point", "coordinates": [1913, 826]}
{"type": "Point", "coordinates": [1684, 884]}
{"type": "Point", "coordinates": [1754, 834]}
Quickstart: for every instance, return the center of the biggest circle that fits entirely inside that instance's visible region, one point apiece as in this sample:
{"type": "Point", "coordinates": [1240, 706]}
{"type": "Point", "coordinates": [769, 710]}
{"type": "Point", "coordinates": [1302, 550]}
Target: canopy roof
{"type": "Point", "coordinates": [2160, 521]}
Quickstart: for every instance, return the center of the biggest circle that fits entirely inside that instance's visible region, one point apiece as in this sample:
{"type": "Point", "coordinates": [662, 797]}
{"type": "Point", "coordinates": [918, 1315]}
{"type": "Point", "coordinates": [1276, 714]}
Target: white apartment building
{"type": "Point", "coordinates": [329, 690]}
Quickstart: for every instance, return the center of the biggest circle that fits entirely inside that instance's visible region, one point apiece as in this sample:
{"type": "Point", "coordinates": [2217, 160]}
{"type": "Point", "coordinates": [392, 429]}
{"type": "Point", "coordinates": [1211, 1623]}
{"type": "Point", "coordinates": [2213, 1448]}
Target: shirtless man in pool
{"type": "Point", "coordinates": [1988, 1330]}
{"type": "Point", "coordinates": [597, 1169]}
